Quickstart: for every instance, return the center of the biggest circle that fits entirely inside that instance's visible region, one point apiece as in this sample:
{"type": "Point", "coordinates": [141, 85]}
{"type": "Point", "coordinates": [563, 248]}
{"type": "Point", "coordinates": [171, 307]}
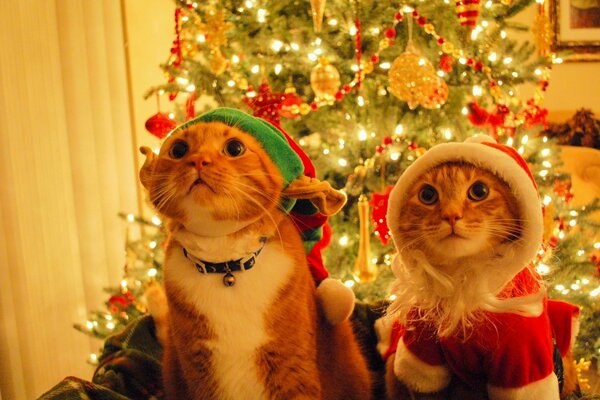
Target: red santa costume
{"type": "Point", "coordinates": [508, 349]}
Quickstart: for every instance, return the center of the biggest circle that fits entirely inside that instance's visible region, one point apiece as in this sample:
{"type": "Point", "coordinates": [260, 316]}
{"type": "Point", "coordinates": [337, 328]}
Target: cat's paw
{"type": "Point", "coordinates": [336, 300]}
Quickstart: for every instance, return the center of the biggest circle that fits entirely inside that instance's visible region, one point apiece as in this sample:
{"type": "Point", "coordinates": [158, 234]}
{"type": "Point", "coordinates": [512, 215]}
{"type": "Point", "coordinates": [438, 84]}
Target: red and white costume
{"type": "Point", "coordinates": [507, 354]}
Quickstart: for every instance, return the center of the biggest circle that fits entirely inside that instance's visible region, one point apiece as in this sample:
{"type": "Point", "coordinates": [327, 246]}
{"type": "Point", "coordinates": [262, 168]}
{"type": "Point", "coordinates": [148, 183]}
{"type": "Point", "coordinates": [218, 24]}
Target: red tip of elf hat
{"type": "Point", "coordinates": [310, 223]}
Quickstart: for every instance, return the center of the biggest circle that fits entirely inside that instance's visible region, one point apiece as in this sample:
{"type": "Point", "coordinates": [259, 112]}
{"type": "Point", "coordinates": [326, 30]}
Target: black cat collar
{"type": "Point", "coordinates": [226, 267]}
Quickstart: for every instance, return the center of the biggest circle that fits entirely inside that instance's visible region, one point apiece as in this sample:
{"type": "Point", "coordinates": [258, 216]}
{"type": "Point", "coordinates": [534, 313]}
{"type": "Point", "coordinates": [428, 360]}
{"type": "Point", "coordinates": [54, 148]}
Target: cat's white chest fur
{"type": "Point", "coordinates": [237, 314]}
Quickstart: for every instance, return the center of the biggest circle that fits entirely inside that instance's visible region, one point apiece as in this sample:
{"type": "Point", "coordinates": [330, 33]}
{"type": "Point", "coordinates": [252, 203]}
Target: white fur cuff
{"type": "Point", "coordinates": [336, 299]}
{"type": "Point", "coordinates": [417, 374]}
{"type": "Point", "coordinates": [545, 389]}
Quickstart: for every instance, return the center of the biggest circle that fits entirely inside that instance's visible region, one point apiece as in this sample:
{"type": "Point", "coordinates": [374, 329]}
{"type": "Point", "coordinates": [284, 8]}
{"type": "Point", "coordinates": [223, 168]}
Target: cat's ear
{"type": "Point", "coordinates": [328, 200]}
{"type": "Point", "coordinates": [146, 170]}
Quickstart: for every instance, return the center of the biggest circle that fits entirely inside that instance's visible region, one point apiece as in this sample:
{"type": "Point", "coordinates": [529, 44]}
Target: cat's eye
{"type": "Point", "coordinates": [428, 195]}
{"type": "Point", "coordinates": [478, 191]}
{"type": "Point", "coordinates": [234, 148]}
{"type": "Point", "coordinates": [179, 149]}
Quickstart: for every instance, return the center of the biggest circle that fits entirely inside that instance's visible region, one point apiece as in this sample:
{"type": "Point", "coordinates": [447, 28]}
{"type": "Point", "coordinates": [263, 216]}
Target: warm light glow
{"type": "Point", "coordinates": [276, 45]}
{"type": "Point", "coordinates": [349, 283]}
{"type": "Point", "coordinates": [110, 325]}
{"type": "Point", "coordinates": [399, 129]}
{"type": "Point", "coordinates": [507, 60]}
{"type": "Point", "coordinates": [152, 272]}
{"type": "Point", "coordinates": [182, 80]}
{"type": "Point", "coordinates": [547, 200]}
{"type": "Point", "coordinates": [385, 65]}
{"type": "Point", "coordinates": [255, 69]}
{"type": "Point", "coordinates": [332, 22]}
{"type": "Point", "coordinates": [394, 156]}
{"type": "Point", "coordinates": [360, 101]}
{"type": "Point", "coordinates": [597, 245]}
{"type": "Point", "coordinates": [278, 69]}
{"type": "Point", "coordinates": [342, 162]}
{"type": "Point", "coordinates": [464, 111]}
{"type": "Point", "coordinates": [152, 244]}
{"type": "Point", "coordinates": [362, 135]}
{"type": "Point", "coordinates": [155, 220]}
{"type": "Point", "coordinates": [542, 269]}
{"type": "Point", "coordinates": [544, 173]}
{"type": "Point", "coordinates": [392, 297]}
{"type": "Point", "coordinates": [130, 217]}
{"type": "Point", "coordinates": [448, 133]}
{"type": "Point", "coordinates": [344, 240]}
{"type": "Point", "coordinates": [545, 152]}
{"type": "Point", "coordinates": [477, 91]}
{"type": "Point", "coordinates": [261, 14]}
{"type": "Point", "coordinates": [493, 57]}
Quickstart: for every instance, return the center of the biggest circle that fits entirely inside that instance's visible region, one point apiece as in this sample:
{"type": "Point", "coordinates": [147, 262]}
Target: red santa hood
{"type": "Point", "coordinates": [507, 164]}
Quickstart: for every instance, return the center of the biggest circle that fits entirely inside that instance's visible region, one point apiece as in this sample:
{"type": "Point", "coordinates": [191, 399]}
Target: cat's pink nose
{"type": "Point", "coordinates": [201, 161]}
{"type": "Point", "coordinates": [452, 217]}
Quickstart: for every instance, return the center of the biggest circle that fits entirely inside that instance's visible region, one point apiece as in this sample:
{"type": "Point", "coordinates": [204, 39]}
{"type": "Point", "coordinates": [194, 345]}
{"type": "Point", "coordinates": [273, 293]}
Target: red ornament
{"type": "Point", "coordinates": [390, 33]}
{"type": "Point", "coordinates": [387, 140]}
{"type": "Point", "coordinates": [467, 12]}
{"type": "Point", "coordinates": [421, 21]}
{"type": "Point", "coordinates": [339, 95]}
{"type": "Point", "coordinates": [446, 62]}
{"type": "Point", "coordinates": [268, 105]}
{"type": "Point", "coordinates": [290, 105]}
{"type": "Point", "coordinates": [347, 88]}
{"type": "Point", "coordinates": [160, 125]}
{"type": "Point", "coordinates": [374, 58]}
{"type": "Point", "coordinates": [190, 109]}
{"type": "Point", "coordinates": [379, 205]}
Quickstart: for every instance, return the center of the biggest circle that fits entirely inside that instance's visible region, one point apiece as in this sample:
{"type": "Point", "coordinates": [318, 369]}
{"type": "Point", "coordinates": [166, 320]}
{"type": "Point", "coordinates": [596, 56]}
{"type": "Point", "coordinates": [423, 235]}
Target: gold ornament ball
{"type": "Point", "coordinates": [412, 77]}
{"type": "Point", "coordinates": [325, 80]}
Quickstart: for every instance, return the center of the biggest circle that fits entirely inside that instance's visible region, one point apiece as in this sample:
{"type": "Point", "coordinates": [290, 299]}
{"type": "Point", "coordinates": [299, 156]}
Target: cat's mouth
{"type": "Point", "coordinates": [198, 182]}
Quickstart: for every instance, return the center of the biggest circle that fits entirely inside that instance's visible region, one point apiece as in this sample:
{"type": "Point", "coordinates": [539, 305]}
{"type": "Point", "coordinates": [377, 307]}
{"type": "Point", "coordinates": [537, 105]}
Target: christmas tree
{"type": "Point", "coordinates": [366, 87]}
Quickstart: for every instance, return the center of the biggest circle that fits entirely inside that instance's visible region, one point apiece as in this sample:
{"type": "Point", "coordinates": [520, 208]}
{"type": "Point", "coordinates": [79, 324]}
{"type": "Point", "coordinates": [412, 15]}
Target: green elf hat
{"type": "Point", "coordinates": [272, 140]}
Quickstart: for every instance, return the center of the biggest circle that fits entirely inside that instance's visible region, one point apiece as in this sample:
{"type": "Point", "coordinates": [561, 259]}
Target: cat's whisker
{"type": "Point", "coordinates": [266, 212]}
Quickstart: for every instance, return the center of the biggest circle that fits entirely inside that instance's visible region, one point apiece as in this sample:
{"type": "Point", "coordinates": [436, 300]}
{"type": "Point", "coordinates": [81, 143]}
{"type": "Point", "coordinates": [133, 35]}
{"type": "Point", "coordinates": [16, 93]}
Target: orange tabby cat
{"type": "Point", "coordinates": [466, 221]}
{"type": "Point", "coordinates": [257, 333]}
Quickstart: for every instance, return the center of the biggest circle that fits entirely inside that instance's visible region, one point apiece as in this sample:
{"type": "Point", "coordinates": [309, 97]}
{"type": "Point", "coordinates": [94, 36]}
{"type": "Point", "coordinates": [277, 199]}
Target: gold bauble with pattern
{"type": "Point", "coordinates": [412, 78]}
{"type": "Point", "coordinates": [325, 80]}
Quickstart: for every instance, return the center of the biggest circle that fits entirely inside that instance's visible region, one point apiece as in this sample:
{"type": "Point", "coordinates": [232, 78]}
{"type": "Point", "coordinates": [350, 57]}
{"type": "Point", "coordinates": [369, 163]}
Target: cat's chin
{"type": "Point", "coordinates": [454, 246]}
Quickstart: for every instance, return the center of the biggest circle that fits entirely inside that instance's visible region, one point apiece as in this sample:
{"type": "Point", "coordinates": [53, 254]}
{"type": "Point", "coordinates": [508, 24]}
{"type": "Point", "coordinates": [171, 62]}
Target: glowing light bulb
{"type": "Point", "coordinates": [477, 91]}
{"type": "Point", "coordinates": [507, 60]}
{"type": "Point", "coordinates": [332, 22]}
{"type": "Point", "coordinates": [152, 272]}
{"type": "Point", "coordinates": [542, 269]}
{"type": "Point", "coordinates": [547, 200]}
{"type": "Point", "coordinates": [255, 69]}
{"type": "Point", "coordinates": [276, 45]}
{"type": "Point", "coordinates": [343, 162]}
{"type": "Point", "coordinates": [385, 65]}
{"type": "Point", "coordinates": [360, 101]}
{"type": "Point", "coordinates": [349, 283]}
{"type": "Point", "coordinates": [399, 129]}
{"type": "Point", "coordinates": [392, 297]}
{"type": "Point", "coordinates": [493, 57]}
{"type": "Point", "coordinates": [277, 69]}
{"type": "Point", "coordinates": [362, 135]}
{"type": "Point", "coordinates": [344, 240]}
{"type": "Point", "coordinates": [545, 152]}
{"type": "Point", "coordinates": [155, 220]}
{"type": "Point", "coordinates": [448, 133]}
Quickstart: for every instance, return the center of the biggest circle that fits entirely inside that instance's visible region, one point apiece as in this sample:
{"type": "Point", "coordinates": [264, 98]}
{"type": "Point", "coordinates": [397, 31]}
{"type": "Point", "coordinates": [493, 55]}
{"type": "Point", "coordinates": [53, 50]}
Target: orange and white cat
{"type": "Point", "coordinates": [256, 333]}
{"type": "Point", "coordinates": [466, 220]}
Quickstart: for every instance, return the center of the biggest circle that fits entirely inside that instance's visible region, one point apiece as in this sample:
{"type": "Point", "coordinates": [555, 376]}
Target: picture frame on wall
{"type": "Point", "coordinates": [575, 29]}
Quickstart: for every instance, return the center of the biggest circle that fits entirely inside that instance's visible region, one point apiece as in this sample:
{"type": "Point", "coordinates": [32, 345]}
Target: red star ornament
{"type": "Point", "coordinates": [379, 205]}
{"type": "Point", "coordinates": [271, 106]}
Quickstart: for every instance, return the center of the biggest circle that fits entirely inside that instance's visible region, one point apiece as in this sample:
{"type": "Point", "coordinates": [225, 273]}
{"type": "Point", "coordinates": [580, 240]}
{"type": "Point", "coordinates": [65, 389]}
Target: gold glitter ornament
{"type": "Point", "coordinates": [325, 80]}
{"type": "Point", "coordinates": [412, 78]}
{"type": "Point", "coordinates": [317, 8]}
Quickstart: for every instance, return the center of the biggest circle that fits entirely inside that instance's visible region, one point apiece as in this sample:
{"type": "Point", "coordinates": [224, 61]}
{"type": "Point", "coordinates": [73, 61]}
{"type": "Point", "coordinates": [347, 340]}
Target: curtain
{"type": "Point", "coordinates": [66, 170]}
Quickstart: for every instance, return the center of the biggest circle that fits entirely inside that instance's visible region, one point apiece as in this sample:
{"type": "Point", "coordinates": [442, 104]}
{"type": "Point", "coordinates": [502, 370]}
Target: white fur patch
{"type": "Point", "coordinates": [417, 374]}
{"type": "Point", "coordinates": [237, 313]}
{"type": "Point", "coordinates": [200, 220]}
{"type": "Point", "coordinates": [545, 389]}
